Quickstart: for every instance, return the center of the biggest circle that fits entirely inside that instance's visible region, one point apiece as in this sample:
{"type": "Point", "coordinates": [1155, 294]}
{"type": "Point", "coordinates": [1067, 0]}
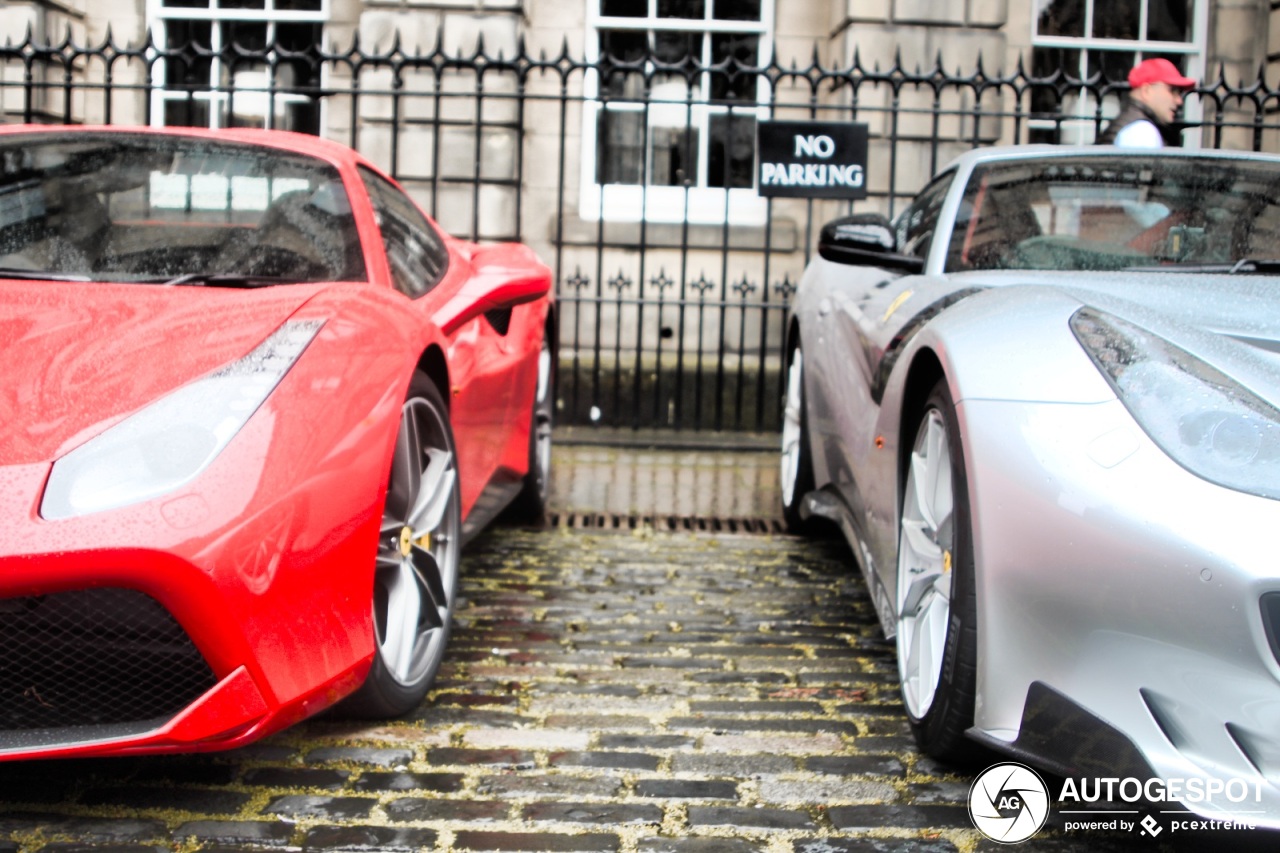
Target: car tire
{"type": "Point", "coordinates": [530, 504]}
{"type": "Point", "coordinates": [416, 568]}
{"type": "Point", "coordinates": [797, 460]}
{"type": "Point", "coordinates": [937, 616]}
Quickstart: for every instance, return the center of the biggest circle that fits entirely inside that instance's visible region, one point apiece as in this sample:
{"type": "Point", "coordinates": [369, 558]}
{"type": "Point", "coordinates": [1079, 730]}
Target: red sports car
{"type": "Point", "coordinates": [253, 403]}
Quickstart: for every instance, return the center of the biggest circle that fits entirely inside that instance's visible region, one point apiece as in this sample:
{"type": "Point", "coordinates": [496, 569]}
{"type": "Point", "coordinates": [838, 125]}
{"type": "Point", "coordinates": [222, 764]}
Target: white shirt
{"type": "Point", "coordinates": [1140, 134]}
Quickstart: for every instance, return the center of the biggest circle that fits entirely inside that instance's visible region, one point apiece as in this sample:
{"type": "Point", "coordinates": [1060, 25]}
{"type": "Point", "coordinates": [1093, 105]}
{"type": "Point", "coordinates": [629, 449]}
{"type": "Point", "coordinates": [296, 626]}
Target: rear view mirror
{"type": "Point", "coordinates": [864, 239]}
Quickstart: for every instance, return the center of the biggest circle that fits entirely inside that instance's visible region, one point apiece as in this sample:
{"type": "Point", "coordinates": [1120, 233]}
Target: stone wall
{"type": "Point", "coordinates": [914, 35]}
{"type": "Point", "coordinates": [46, 21]}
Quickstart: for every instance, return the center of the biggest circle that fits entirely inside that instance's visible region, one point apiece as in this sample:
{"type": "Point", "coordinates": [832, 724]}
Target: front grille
{"type": "Point", "coordinates": [99, 658]}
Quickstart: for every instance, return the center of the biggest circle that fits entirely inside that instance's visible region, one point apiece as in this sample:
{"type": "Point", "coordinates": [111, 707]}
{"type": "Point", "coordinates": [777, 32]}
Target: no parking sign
{"type": "Point", "coordinates": [811, 159]}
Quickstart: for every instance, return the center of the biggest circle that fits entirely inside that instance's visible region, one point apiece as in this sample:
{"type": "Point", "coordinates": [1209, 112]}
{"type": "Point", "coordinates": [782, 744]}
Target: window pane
{"type": "Point", "coordinates": [1179, 60]}
{"type": "Point", "coordinates": [916, 224]}
{"type": "Point", "coordinates": [695, 9]}
{"type": "Point", "coordinates": [737, 10]}
{"type": "Point", "coordinates": [244, 35]}
{"type": "Point", "coordinates": [619, 147]}
{"type": "Point", "coordinates": [1083, 213]}
{"type": "Point", "coordinates": [731, 153]}
{"type": "Point", "coordinates": [186, 113]}
{"type": "Point", "coordinates": [672, 88]}
{"type": "Point", "coordinates": [244, 54]}
{"type": "Point", "coordinates": [675, 48]}
{"type": "Point", "coordinates": [625, 8]}
{"type": "Point", "coordinates": [259, 86]}
{"type": "Point", "coordinates": [302, 41]}
{"type": "Point", "coordinates": [1060, 18]}
{"type": "Point", "coordinates": [1114, 64]}
{"type": "Point", "coordinates": [1046, 60]}
{"type": "Point", "coordinates": [251, 111]}
{"type": "Point", "coordinates": [245, 110]}
{"type": "Point", "coordinates": [303, 117]}
{"type": "Point", "coordinates": [137, 207]}
{"type": "Point", "coordinates": [1045, 100]}
{"type": "Point", "coordinates": [1169, 20]}
{"type": "Point", "coordinates": [416, 254]}
{"type": "Point", "coordinates": [622, 85]}
{"type": "Point", "coordinates": [1117, 19]}
{"type": "Point", "coordinates": [186, 69]}
{"type": "Point", "coordinates": [665, 121]}
{"type": "Point", "coordinates": [618, 46]}
{"type": "Point", "coordinates": [739, 54]}
{"type": "Point", "coordinates": [675, 156]}
{"type": "Point", "coordinates": [623, 45]}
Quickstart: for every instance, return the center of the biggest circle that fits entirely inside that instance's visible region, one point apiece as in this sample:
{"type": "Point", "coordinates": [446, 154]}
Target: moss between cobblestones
{"type": "Point", "coordinates": [640, 636]}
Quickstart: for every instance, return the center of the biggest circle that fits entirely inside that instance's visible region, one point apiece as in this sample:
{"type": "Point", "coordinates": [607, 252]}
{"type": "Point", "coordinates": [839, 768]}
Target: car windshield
{"type": "Point", "coordinates": [1169, 213]}
{"type": "Point", "coordinates": [145, 207]}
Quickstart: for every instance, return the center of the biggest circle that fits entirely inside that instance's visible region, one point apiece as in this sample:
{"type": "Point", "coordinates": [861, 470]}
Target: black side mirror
{"type": "Point", "coordinates": [864, 239]}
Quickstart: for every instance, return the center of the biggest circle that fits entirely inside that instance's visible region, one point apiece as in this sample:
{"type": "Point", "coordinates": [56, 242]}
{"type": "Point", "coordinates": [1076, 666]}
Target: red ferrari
{"type": "Point", "coordinates": [253, 403]}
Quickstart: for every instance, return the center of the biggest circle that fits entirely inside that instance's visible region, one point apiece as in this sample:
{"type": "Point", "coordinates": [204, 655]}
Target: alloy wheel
{"type": "Point", "coordinates": [791, 429]}
{"type": "Point", "coordinates": [925, 558]}
{"type": "Point", "coordinates": [543, 405]}
{"type": "Point", "coordinates": [417, 562]}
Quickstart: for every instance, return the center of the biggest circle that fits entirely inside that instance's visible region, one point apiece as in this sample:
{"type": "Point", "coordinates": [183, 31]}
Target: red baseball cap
{"type": "Point", "coordinates": [1158, 71]}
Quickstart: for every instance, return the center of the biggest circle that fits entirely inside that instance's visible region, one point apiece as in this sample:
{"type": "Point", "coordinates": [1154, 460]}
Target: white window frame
{"type": "Point", "coordinates": [697, 204]}
{"type": "Point", "coordinates": [1080, 107]}
{"type": "Point", "coordinates": [253, 97]}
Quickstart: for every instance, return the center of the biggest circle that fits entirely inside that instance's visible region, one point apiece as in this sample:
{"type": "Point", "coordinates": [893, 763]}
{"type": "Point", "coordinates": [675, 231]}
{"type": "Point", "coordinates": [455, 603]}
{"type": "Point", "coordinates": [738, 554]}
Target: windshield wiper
{"type": "Point", "coordinates": [225, 279]}
{"type": "Point", "coordinates": [191, 278]}
{"type": "Point", "coordinates": [41, 275]}
{"type": "Point", "coordinates": [1262, 265]}
{"type": "Point", "coordinates": [1265, 266]}
{"type": "Point", "coordinates": [1180, 268]}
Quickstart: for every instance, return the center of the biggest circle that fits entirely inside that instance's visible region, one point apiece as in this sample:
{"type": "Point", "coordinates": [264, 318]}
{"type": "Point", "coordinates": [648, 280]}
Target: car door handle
{"type": "Point", "coordinates": [824, 307]}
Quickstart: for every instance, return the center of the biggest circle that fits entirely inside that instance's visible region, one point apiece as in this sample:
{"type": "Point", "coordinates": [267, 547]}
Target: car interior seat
{"type": "Point", "coordinates": [296, 238]}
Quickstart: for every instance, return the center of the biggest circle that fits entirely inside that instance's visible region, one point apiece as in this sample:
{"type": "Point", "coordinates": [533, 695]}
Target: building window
{"type": "Point", "coordinates": [238, 63]}
{"type": "Point", "coordinates": [670, 121]}
{"type": "Point", "coordinates": [1085, 37]}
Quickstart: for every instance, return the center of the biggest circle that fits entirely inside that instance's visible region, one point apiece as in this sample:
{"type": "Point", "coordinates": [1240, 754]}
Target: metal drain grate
{"type": "Point", "coordinates": [661, 522]}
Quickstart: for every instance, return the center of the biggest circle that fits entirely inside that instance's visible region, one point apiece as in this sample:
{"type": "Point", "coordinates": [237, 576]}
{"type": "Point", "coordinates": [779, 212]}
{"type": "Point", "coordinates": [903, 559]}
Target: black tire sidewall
{"type": "Point", "coordinates": [530, 503]}
{"type": "Point", "coordinates": [941, 731]}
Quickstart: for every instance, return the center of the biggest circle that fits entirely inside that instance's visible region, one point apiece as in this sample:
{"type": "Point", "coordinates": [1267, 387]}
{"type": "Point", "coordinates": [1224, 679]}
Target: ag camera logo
{"type": "Point", "coordinates": [1009, 803]}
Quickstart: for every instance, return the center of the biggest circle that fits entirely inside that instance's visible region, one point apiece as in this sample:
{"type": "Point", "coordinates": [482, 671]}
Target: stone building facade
{"type": "Point", "coordinates": [608, 148]}
{"type": "Point", "coordinates": [1207, 38]}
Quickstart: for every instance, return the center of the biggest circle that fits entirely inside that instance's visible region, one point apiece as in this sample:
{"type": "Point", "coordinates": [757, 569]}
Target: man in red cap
{"type": "Point", "coordinates": [1156, 89]}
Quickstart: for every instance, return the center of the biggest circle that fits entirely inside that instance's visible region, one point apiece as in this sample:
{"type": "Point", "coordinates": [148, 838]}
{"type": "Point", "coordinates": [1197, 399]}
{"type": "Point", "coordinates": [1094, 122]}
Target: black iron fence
{"type": "Point", "coordinates": [631, 174]}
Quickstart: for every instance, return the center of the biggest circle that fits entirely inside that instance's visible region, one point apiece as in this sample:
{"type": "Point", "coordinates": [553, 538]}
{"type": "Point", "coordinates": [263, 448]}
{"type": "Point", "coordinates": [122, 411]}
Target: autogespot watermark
{"type": "Point", "coordinates": [1009, 803]}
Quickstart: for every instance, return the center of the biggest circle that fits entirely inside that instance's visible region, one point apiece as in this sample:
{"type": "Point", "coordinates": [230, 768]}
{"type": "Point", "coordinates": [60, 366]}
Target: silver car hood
{"type": "Point", "coordinates": [1229, 321]}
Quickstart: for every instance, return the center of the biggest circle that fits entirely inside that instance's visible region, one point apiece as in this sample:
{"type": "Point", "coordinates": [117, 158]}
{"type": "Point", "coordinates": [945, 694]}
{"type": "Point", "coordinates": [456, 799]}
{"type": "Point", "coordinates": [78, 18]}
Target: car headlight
{"type": "Point", "coordinates": [1204, 420]}
{"type": "Point", "coordinates": [166, 444]}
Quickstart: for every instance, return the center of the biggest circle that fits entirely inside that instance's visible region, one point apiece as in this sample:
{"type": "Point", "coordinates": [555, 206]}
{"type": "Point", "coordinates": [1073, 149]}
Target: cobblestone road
{"type": "Point", "coordinates": [606, 691]}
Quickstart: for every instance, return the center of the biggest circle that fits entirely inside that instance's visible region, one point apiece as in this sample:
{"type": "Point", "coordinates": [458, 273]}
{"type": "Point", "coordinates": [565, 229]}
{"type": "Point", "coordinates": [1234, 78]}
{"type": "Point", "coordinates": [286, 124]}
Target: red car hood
{"type": "Point", "coordinates": [78, 357]}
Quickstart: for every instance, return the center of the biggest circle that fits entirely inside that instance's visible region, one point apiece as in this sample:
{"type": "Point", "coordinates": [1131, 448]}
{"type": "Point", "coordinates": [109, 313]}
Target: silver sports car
{"type": "Point", "coordinates": [1043, 405]}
